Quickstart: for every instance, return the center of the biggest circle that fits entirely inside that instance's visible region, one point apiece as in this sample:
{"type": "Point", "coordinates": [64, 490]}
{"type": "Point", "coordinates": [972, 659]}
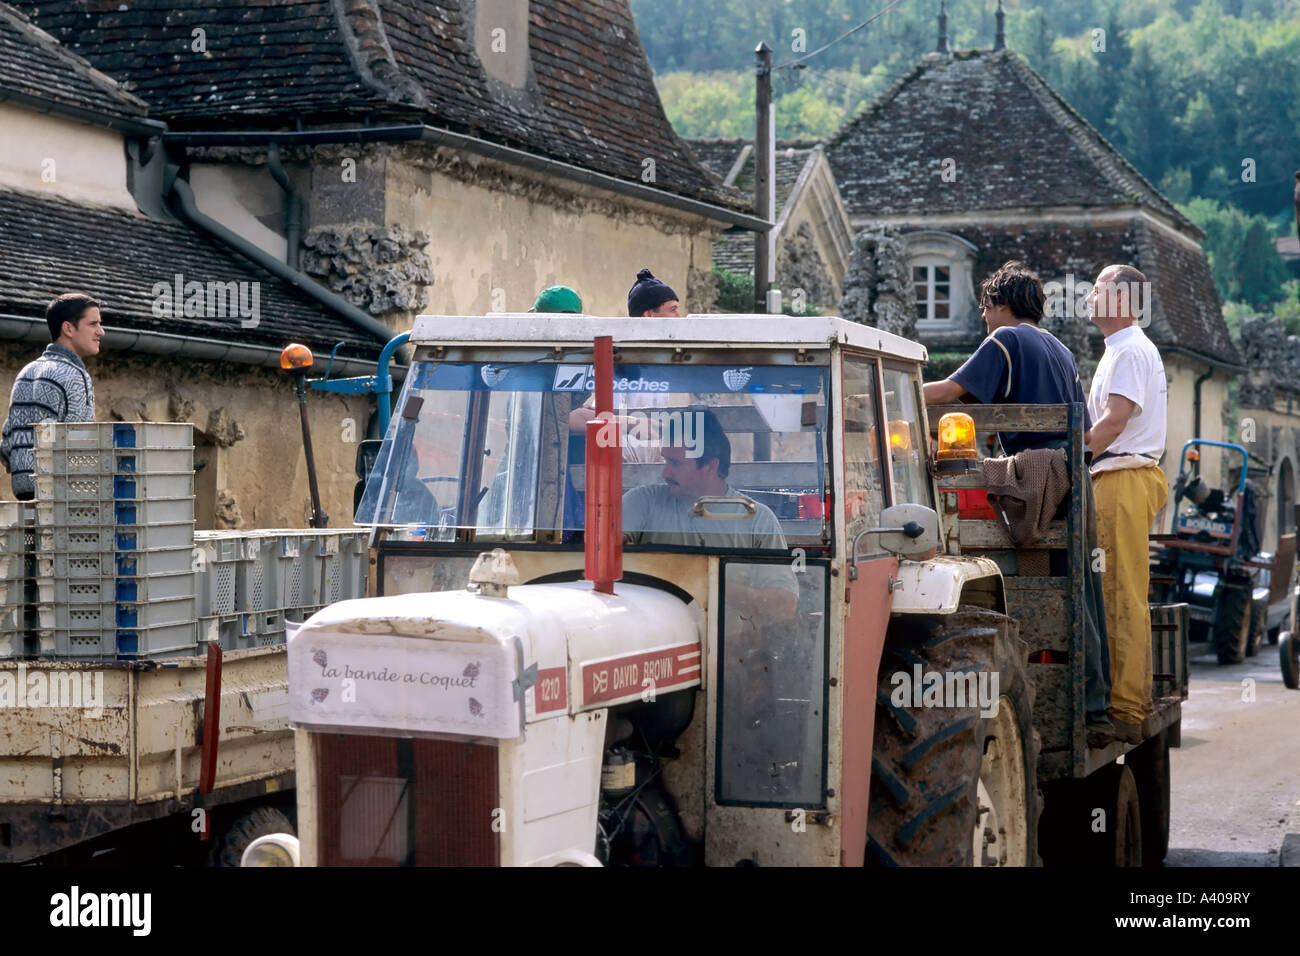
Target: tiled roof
{"type": "Point", "coordinates": [32, 62]}
{"type": "Point", "coordinates": [1013, 142]}
{"type": "Point", "coordinates": [1186, 311]}
{"type": "Point", "coordinates": [50, 245]}
{"type": "Point", "coordinates": [734, 249]}
{"type": "Point", "coordinates": [590, 100]}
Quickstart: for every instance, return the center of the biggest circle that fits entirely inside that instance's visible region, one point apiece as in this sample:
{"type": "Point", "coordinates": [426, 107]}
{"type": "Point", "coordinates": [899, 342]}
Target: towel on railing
{"type": "Point", "coordinates": [1026, 489]}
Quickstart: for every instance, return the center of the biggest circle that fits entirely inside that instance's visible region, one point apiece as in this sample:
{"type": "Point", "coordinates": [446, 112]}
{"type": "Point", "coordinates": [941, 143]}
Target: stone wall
{"type": "Point", "coordinates": [878, 287]}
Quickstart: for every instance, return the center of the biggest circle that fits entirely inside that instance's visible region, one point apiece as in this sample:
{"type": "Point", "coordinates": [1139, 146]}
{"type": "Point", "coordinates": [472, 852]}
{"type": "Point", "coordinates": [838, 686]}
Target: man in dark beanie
{"type": "Point", "coordinates": [650, 297]}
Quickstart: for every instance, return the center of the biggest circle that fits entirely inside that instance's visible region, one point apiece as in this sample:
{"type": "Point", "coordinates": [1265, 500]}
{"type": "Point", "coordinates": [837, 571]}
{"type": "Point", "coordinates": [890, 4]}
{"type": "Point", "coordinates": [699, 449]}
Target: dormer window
{"type": "Point", "coordinates": [933, 282]}
{"type": "Point", "coordinates": [942, 264]}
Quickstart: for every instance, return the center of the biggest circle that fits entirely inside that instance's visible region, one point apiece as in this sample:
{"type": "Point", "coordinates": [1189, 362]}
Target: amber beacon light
{"type": "Point", "coordinates": [956, 442]}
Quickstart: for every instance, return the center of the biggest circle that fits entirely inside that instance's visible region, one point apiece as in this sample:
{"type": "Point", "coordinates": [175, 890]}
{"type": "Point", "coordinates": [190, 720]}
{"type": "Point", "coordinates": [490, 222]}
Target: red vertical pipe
{"type": "Point", "coordinates": [604, 536]}
{"type": "Point", "coordinates": [211, 720]}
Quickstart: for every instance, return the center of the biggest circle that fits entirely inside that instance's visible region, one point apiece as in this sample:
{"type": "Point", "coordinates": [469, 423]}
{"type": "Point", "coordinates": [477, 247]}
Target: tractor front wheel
{"type": "Point", "coordinates": [954, 785]}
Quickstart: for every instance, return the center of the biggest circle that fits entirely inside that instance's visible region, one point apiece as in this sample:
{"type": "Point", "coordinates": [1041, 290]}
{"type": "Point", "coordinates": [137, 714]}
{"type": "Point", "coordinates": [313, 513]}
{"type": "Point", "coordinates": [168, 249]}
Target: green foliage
{"type": "Point", "coordinates": [1243, 257]}
{"type": "Point", "coordinates": [1287, 311]}
{"type": "Point", "coordinates": [735, 291]}
{"type": "Point", "coordinates": [1182, 85]}
{"type": "Point", "coordinates": [721, 104]}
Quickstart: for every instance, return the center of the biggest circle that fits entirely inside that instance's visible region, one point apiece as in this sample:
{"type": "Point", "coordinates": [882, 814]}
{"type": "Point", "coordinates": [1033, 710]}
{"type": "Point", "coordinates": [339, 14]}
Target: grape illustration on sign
{"type": "Point", "coordinates": [737, 378]}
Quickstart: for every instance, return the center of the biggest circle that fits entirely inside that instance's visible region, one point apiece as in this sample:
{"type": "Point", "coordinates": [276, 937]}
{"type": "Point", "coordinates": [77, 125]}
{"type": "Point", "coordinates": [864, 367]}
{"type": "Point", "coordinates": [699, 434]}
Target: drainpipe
{"type": "Point", "coordinates": [292, 208]}
{"type": "Point", "coordinates": [1196, 402]}
{"type": "Point", "coordinates": [189, 211]}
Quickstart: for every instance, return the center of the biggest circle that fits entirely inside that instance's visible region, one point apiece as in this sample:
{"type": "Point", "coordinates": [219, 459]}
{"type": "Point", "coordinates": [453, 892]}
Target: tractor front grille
{"type": "Point", "coordinates": [388, 801]}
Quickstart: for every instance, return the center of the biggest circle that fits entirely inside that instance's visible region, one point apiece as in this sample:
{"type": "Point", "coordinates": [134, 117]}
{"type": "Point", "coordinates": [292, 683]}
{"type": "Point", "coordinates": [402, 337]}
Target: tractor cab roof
{"type": "Point", "coordinates": [699, 331]}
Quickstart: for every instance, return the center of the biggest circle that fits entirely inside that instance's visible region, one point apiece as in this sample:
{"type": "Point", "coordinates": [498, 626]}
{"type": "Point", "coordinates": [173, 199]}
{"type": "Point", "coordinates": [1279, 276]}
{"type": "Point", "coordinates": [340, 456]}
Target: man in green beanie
{"type": "Point", "coordinates": [558, 298]}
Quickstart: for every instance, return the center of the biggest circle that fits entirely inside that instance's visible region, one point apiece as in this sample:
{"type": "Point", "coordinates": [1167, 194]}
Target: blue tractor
{"type": "Point", "coordinates": [1212, 560]}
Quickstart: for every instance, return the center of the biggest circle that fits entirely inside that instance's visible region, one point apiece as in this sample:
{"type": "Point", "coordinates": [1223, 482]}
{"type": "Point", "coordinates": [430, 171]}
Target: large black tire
{"type": "Point", "coordinates": [1258, 617]}
{"type": "Point", "coordinates": [228, 848]}
{"type": "Point", "coordinates": [1096, 821]}
{"type": "Point", "coordinates": [1232, 618]}
{"type": "Point", "coordinates": [1289, 657]}
{"type": "Point", "coordinates": [929, 764]}
{"type": "Point", "coordinates": [1150, 765]}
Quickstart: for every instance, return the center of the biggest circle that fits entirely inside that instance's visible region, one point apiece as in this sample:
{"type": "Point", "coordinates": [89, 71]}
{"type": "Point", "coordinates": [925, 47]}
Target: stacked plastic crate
{"type": "Point", "coordinates": [17, 543]}
{"type": "Point", "coordinates": [251, 583]}
{"type": "Point", "coordinates": [115, 539]}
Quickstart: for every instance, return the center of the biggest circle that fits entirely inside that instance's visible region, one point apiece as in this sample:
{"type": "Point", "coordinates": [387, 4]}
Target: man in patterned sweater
{"type": "Point", "coordinates": [56, 387]}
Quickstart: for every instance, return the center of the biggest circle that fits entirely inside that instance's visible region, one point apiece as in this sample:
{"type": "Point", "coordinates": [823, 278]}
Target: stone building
{"type": "Point", "coordinates": [971, 159]}
{"type": "Point", "coordinates": [813, 236]}
{"type": "Point", "coordinates": [443, 156]}
{"type": "Point", "coordinates": [361, 163]}
{"type": "Point", "coordinates": [81, 208]}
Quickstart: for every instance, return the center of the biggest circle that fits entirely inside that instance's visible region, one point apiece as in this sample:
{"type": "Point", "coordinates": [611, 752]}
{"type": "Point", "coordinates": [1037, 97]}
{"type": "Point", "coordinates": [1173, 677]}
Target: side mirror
{"type": "Point", "coordinates": [367, 455]}
{"type": "Point", "coordinates": [905, 530]}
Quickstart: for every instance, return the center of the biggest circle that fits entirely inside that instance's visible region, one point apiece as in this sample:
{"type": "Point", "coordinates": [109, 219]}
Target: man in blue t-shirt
{"type": "Point", "coordinates": [1022, 364]}
{"type": "Point", "coordinates": [1019, 363]}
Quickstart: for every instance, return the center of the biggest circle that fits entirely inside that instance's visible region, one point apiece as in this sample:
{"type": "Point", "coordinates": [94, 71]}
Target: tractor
{"type": "Point", "coordinates": [696, 592]}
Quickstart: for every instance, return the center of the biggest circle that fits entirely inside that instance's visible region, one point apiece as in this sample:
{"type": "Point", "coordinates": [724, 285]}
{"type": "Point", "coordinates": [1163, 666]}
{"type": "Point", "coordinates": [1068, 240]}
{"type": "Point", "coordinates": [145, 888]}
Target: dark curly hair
{"type": "Point", "coordinates": [1017, 287]}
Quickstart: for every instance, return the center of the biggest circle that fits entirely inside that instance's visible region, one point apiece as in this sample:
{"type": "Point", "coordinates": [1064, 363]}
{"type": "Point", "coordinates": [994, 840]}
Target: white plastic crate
{"type": "Point", "coordinates": [78, 514]}
{"type": "Point", "coordinates": [74, 617]}
{"type": "Point", "coordinates": [154, 587]}
{"type": "Point", "coordinates": [11, 644]}
{"type": "Point", "coordinates": [107, 435]}
{"type": "Point", "coordinates": [227, 631]}
{"type": "Point", "coordinates": [66, 566]}
{"type": "Point", "coordinates": [77, 643]}
{"type": "Point", "coordinates": [152, 510]}
{"type": "Point", "coordinates": [134, 564]}
{"type": "Point", "coordinates": [153, 613]}
{"type": "Point", "coordinates": [75, 487]}
{"type": "Point", "coordinates": [153, 537]}
{"type": "Point", "coordinates": [142, 461]}
{"type": "Point", "coordinates": [79, 540]}
{"type": "Point", "coordinates": [72, 461]}
{"type": "Point", "coordinates": [170, 640]}
{"type": "Point", "coordinates": [153, 485]}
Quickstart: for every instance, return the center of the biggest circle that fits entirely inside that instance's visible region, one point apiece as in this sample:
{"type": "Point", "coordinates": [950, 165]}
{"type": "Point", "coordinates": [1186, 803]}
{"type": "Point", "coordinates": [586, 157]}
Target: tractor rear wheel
{"type": "Point", "coordinates": [954, 786]}
{"type": "Point", "coordinates": [1232, 620]}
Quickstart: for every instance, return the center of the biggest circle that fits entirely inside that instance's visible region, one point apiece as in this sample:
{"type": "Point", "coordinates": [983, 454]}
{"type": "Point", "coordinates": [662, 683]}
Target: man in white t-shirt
{"type": "Point", "coordinates": [1127, 406]}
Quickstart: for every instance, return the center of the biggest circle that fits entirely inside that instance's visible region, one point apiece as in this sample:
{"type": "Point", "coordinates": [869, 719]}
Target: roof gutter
{"type": "Point", "coordinates": [26, 329]}
{"type": "Point", "coordinates": [1212, 362]}
{"type": "Point", "coordinates": [189, 210]}
{"type": "Point", "coordinates": [480, 147]}
{"type": "Point", "coordinates": [123, 124]}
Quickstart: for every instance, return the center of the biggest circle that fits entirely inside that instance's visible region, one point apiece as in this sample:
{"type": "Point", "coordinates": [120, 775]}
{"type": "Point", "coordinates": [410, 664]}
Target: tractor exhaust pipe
{"type": "Point", "coordinates": [604, 535]}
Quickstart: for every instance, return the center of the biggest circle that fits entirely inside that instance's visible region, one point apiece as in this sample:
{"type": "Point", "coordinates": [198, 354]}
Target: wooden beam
{"type": "Point", "coordinates": [1009, 418]}
{"type": "Point", "coordinates": [975, 533]}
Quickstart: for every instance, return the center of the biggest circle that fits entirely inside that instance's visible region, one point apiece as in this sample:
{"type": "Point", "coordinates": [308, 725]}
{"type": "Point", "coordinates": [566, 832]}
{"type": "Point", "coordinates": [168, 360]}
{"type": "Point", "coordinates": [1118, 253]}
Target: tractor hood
{"type": "Point", "coordinates": [465, 663]}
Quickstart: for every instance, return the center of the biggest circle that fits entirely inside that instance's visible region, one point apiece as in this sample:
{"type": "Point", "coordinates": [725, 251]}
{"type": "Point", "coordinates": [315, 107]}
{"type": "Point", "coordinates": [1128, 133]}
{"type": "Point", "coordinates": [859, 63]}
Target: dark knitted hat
{"type": "Point", "coordinates": [648, 293]}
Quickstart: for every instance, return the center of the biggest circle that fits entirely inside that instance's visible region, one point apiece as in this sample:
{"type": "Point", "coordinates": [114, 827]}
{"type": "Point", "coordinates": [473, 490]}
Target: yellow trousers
{"type": "Point", "coordinates": [1127, 502]}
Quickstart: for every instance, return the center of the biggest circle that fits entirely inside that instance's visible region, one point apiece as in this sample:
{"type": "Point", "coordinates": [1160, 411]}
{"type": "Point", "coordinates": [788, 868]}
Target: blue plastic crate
{"type": "Point", "coordinates": [134, 564]}
{"type": "Point", "coordinates": [152, 434]}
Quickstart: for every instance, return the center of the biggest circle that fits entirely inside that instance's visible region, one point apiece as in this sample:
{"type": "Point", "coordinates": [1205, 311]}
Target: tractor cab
{"type": "Point", "coordinates": [632, 602]}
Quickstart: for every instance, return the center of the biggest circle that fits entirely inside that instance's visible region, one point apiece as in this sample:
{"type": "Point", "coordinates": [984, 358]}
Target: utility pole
{"type": "Point", "coordinates": [765, 298]}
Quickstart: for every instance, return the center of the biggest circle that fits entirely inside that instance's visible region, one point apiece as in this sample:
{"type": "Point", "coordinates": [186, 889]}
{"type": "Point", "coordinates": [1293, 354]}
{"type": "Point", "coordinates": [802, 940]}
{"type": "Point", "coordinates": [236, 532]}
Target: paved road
{"type": "Point", "coordinates": [1235, 784]}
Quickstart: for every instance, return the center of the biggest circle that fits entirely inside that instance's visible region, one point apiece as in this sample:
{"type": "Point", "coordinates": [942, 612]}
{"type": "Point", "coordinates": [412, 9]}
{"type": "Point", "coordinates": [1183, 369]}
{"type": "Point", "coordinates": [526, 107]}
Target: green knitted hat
{"type": "Point", "coordinates": [558, 298]}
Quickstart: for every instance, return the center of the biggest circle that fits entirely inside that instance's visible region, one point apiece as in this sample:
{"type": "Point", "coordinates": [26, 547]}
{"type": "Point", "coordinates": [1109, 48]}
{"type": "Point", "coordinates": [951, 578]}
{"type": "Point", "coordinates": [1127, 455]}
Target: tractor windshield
{"type": "Point", "coordinates": [714, 456]}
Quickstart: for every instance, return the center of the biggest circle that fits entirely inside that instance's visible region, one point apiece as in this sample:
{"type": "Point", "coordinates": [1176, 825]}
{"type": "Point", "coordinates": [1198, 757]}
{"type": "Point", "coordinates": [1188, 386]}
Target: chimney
{"type": "Point", "coordinates": [1000, 41]}
{"type": "Point", "coordinates": [943, 28]}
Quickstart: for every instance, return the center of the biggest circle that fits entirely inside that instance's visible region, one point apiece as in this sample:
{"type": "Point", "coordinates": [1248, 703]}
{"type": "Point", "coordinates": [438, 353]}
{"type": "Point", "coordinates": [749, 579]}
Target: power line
{"type": "Point", "coordinates": [808, 56]}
